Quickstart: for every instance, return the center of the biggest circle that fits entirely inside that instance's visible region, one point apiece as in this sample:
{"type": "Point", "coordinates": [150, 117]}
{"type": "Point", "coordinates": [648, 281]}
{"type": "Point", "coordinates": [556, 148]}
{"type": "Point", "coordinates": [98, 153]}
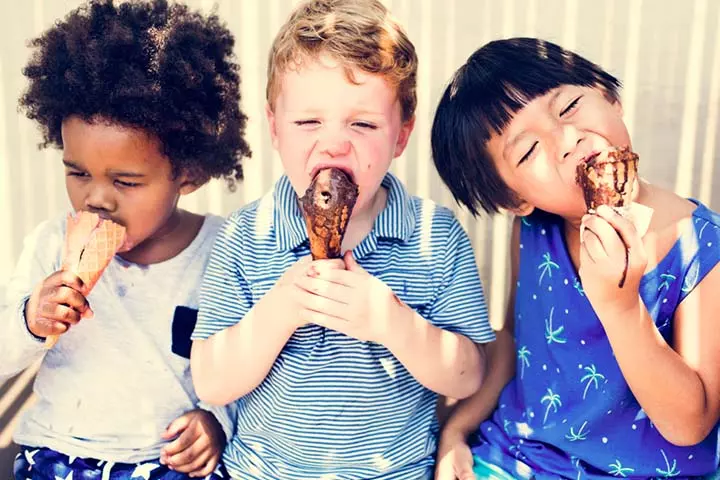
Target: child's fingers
{"type": "Point", "coordinates": [176, 426]}
{"type": "Point", "coordinates": [341, 277]}
{"type": "Point", "coordinates": [184, 441]}
{"type": "Point", "coordinates": [606, 233]}
{"type": "Point", "coordinates": [624, 227]}
{"type": "Point", "coordinates": [67, 278]}
{"type": "Point", "coordinates": [585, 258]}
{"type": "Point", "coordinates": [51, 327]}
{"type": "Point", "coordinates": [59, 313]}
{"type": "Point", "coordinates": [190, 460]}
{"type": "Point", "coordinates": [592, 245]}
{"type": "Point", "coordinates": [327, 306]}
{"type": "Point", "coordinates": [207, 469]}
{"type": "Point", "coordinates": [329, 264]}
{"type": "Point", "coordinates": [323, 320]}
{"type": "Point", "coordinates": [333, 291]}
{"type": "Point", "coordinates": [465, 472]}
{"type": "Point", "coordinates": [68, 296]}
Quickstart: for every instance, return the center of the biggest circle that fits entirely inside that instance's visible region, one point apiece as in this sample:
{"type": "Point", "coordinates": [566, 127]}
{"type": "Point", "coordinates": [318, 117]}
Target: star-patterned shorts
{"type": "Point", "coordinates": [46, 464]}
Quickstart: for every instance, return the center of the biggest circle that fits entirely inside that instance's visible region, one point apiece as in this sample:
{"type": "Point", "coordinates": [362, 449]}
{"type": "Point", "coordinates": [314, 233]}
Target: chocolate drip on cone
{"type": "Point", "coordinates": [327, 205]}
{"type": "Point", "coordinates": [607, 178]}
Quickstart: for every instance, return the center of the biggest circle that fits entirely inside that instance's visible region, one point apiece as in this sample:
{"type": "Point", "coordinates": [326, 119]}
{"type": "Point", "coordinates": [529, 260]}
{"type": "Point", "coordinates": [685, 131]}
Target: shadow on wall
{"type": "Point", "coordinates": [15, 393]}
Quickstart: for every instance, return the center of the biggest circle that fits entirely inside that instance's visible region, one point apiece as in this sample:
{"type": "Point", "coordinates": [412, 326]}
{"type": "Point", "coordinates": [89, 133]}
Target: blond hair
{"type": "Point", "coordinates": [358, 33]}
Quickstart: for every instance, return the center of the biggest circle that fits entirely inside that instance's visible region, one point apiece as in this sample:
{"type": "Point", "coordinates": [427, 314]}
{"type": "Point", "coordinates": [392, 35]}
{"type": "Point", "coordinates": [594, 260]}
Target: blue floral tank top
{"type": "Point", "coordinates": [569, 413]}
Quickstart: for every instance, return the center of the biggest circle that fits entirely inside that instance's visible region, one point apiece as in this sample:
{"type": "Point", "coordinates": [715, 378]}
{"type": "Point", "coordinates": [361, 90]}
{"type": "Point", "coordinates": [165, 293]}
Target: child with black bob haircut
{"type": "Point", "coordinates": [603, 379]}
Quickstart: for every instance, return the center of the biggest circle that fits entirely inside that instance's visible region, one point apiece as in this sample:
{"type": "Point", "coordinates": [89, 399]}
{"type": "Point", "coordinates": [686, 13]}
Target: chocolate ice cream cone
{"type": "Point", "coordinates": [608, 177]}
{"type": "Point", "coordinates": [327, 205]}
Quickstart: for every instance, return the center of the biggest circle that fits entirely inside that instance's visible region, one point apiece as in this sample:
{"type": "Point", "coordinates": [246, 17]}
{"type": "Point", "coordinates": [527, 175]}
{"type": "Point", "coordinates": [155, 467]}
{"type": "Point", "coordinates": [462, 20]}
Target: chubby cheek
{"type": "Point", "coordinates": [295, 153]}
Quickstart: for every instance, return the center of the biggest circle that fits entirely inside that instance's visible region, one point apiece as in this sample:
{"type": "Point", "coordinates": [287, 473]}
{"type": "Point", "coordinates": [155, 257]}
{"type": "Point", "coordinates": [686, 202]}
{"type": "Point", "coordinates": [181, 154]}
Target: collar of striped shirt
{"type": "Point", "coordinates": [395, 222]}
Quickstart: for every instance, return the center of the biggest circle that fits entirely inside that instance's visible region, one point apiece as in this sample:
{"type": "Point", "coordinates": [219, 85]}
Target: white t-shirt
{"type": "Point", "coordinates": [113, 383]}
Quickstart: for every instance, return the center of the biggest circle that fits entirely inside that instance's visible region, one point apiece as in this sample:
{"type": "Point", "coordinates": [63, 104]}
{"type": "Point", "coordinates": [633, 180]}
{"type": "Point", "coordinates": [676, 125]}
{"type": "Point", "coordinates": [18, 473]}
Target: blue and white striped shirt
{"type": "Point", "coordinates": [333, 407]}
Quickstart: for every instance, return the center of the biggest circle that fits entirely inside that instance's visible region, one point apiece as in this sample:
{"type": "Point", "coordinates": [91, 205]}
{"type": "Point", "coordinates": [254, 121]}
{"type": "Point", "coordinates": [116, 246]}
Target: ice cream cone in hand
{"type": "Point", "coordinates": [90, 244]}
{"type": "Point", "coordinates": [608, 178]}
{"type": "Point", "coordinates": [326, 207]}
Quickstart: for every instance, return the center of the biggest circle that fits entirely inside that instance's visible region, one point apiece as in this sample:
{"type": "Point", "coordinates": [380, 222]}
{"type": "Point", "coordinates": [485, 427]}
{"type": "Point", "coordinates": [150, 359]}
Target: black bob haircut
{"type": "Point", "coordinates": [496, 82]}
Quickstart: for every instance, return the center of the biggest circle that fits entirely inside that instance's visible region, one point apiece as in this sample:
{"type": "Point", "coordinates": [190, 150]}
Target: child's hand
{"type": "Point", "coordinates": [285, 294]}
{"type": "Point", "coordinates": [454, 459]}
{"type": "Point", "coordinates": [610, 244]}
{"type": "Point", "coordinates": [197, 446]}
{"type": "Point", "coordinates": [350, 301]}
{"type": "Point", "coordinates": [56, 304]}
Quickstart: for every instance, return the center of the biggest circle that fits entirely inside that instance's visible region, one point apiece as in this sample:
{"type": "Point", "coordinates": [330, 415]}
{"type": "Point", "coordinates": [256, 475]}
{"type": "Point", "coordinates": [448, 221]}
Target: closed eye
{"type": "Point", "coordinates": [571, 106]}
{"type": "Point", "coordinates": [127, 184]}
{"type": "Point", "coordinates": [75, 173]}
{"type": "Point", "coordinates": [366, 125]}
{"type": "Point", "coordinates": [529, 152]}
{"type": "Point", "coordinates": [304, 123]}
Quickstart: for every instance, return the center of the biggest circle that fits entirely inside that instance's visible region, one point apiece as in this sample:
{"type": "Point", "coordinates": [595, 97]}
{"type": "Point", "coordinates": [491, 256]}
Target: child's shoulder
{"type": "Point", "coordinates": [49, 233]}
{"type": "Point", "coordinates": [442, 217]}
{"type": "Point", "coordinates": [250, 223]}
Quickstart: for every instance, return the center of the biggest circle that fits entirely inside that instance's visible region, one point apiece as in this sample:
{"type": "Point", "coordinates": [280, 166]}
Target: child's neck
{"type": "Point", "coordinates": [172, 238]}
{"type": "Point", "coordinates": [362, 222]}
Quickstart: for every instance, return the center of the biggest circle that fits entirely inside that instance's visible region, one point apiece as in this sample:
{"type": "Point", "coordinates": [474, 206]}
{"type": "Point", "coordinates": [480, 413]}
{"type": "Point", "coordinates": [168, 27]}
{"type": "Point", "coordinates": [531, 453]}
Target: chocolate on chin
{"type": "Point", "coordinates": [608, 177]}
{"type": "Point", "coordinates": [326, 206]}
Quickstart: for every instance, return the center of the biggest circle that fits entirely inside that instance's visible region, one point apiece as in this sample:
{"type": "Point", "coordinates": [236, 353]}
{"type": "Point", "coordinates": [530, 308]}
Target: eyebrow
{"type": "Point", "coordinates": [554, 98]}
{"type": "Point", "coordinates": [517, 137]}
{"type": "Point", "coordinates": [509, 145]}
{"type": "Point", "coordinates": [116, 173]}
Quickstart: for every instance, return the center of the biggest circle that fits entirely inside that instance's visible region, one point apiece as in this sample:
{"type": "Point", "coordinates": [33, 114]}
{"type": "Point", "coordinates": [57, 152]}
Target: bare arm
{"type": "Point", "coordinates": [234, 361]}
{"type": "Point", "coordinates": [678, 389]}
{"type": "Point", "coordinates": [458, 371]}
{"type": "Point", "coordinates": [454, 459]}
{"type": "Point", "coordinates": [469, 413]}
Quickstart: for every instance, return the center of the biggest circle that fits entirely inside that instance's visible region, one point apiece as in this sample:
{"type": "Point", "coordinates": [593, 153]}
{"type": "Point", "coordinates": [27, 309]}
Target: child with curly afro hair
{"type": "Point", "coordinates": [143, 99]}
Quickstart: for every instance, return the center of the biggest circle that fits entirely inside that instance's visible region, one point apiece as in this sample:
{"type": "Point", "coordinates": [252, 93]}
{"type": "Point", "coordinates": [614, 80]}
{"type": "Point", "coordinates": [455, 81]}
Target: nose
{"type": "Point", "coordinates": [570, 138]}
{"type": "Point", "coordinates": [100, 199]}
{"type": "Point", "coordinates": [335, 144]}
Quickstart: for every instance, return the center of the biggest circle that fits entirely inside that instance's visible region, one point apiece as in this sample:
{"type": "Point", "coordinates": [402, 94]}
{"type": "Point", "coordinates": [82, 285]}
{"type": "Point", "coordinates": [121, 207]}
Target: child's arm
{"type": "Point", "coordinates": [454, 457]}
{"type": "Point", "coordinates": [19, 346]}
{"type": "Point", "coordinates": [679, 389]}
{"type": "Point", "coordinates": [361, 306]}
{"type": "Point", "coordinates": [232, 362]}
{"type": "Point", "coordinates": [236, 343]}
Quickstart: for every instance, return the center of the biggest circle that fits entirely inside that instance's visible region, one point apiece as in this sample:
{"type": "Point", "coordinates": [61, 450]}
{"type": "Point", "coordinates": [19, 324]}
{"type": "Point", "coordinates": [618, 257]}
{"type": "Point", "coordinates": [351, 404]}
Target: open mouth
{"type": "Point", "coordinates": [590, 157]}
{"type": "Point", "coordinates": [346, 170]}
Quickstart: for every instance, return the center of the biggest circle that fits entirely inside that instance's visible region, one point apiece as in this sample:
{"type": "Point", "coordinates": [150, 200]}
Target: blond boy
{"type": "Point", "coordinates": [335, 365]}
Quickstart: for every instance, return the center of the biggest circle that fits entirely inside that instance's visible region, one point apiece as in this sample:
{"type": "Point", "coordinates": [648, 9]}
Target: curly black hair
{"type": "Point", "coordinates": [151, 65]}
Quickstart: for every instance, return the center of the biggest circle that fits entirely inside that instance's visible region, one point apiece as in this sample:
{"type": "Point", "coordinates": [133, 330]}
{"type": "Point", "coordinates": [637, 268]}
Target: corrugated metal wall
{"type": "Point", "coordinates": [667, 53]}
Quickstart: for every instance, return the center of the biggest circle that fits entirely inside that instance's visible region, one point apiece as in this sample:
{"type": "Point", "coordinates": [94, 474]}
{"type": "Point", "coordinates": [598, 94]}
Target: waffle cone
{"type": "Point", "coordinates": [327, 206]}
{"type": "Point", "coordinates": [90, 244]}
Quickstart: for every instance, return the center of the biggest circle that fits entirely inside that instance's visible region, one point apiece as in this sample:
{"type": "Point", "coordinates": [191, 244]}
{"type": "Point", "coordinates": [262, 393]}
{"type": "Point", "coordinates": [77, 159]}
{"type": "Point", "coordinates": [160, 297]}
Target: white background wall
{"type": "Point", "coordinates": [667, 53]}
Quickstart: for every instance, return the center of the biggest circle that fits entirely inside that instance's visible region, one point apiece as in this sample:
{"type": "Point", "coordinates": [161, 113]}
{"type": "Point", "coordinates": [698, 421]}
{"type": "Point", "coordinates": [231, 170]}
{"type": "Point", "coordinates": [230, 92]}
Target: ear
{"type": "Point", "coordinates": [404, 137]}
{"type": "Point", "coordinates": [522, 210]}
{"type": "Point", "coordinates": [188, 184]}
{"type": "Point", "coordinates": [617, 106]}
{"type": "Point", "coordinates": [271, 125]}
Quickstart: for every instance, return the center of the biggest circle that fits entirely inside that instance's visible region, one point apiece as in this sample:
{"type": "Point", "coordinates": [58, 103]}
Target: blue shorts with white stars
{"type": "Point", "coordinates": [46, 464]}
